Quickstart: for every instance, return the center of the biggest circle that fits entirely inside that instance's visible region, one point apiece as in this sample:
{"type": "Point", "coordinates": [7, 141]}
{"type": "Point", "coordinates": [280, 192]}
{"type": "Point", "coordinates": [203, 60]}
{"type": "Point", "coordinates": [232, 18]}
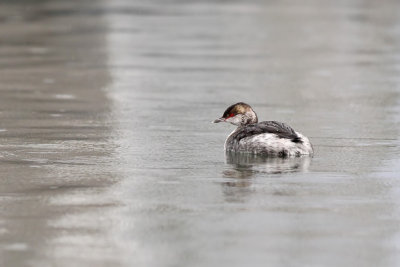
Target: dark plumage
{"type": "Point", "coordinates": [274, 127]}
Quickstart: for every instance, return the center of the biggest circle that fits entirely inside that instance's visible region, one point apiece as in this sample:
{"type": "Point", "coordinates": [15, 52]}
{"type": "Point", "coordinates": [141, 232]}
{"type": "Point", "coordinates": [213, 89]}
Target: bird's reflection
{"type": "Point", "coordinates": [243, 166]}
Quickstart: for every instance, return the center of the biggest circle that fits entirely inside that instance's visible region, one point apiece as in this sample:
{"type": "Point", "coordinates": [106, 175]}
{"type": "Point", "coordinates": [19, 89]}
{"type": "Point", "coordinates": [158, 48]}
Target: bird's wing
{"type": "Point", "coordinates": [278, 128]}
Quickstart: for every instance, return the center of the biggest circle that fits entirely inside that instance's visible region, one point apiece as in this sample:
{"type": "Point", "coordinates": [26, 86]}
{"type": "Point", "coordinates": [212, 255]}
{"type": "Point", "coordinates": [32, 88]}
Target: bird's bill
{"type": "Point", "coordinates": [218, 120]}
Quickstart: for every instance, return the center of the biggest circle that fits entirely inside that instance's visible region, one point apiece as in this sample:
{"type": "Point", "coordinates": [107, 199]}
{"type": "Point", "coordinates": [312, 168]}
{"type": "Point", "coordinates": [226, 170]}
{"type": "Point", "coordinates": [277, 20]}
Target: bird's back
{"type": "Point", "coordinates": [270, 138]}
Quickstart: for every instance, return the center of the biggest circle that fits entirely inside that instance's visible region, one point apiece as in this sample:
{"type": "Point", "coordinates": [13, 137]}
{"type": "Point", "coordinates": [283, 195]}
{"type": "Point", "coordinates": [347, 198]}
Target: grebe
{"type": "Point", "coordinates": [270, 138]}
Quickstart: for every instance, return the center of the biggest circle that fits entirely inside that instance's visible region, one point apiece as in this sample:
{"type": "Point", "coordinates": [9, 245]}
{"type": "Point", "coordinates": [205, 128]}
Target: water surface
{"type": "Point", "coordinates": [108, 156]}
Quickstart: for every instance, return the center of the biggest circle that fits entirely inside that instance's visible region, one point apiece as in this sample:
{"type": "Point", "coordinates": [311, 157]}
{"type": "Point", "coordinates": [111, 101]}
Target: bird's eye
{"type": "Point", "coordinates": [231, 115]}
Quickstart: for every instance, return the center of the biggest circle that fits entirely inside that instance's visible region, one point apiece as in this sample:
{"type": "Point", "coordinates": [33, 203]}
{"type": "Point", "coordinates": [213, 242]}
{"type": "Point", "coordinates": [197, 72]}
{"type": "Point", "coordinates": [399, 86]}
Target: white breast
{"type": "Point", "coordinates": [271, 144]}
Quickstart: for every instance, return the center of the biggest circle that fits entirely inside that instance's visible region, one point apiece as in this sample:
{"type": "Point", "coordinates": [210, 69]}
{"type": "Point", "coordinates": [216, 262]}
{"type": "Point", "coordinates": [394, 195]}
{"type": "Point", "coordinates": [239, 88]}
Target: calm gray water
{"type": "Point", "coordinates": [108, 156]}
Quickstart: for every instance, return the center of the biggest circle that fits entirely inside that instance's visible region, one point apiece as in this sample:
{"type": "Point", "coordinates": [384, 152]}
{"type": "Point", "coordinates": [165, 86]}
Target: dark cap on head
{"type": "Point", "coordinates": [238, 108]}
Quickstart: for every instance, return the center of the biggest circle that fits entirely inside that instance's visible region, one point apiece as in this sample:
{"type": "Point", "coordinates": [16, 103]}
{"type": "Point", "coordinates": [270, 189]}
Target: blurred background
{"type": "Point", "coordinates": [108, 156]}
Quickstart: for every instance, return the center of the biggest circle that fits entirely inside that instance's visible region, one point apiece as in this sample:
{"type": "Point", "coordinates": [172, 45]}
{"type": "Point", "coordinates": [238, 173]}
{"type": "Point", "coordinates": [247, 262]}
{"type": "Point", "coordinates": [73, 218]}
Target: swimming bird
{"type": "Point", "coordinates": [270, 138]}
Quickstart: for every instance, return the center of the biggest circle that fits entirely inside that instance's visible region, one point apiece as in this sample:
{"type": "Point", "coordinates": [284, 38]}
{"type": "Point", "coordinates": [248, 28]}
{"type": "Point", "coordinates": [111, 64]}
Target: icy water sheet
{"type": "Point", "coordinates": [108, 156]}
